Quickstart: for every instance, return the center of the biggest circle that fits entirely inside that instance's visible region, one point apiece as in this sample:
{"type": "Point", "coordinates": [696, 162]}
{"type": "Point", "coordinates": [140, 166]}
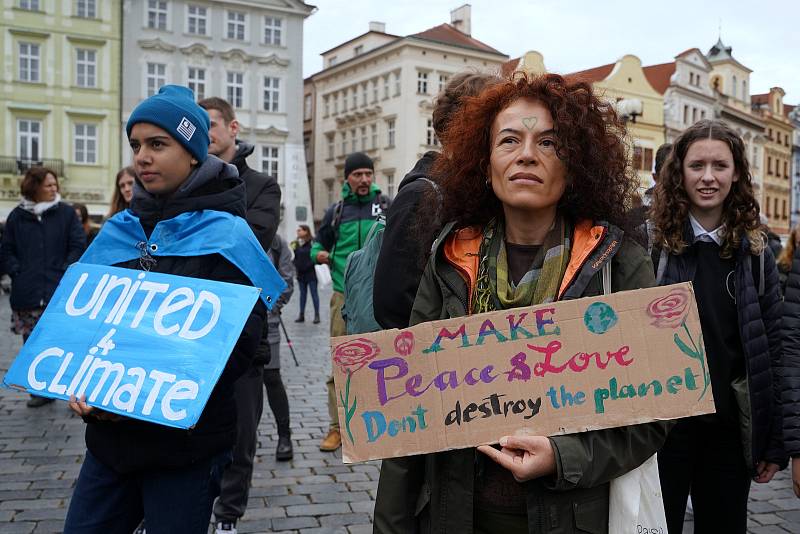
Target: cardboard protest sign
{"type": "Point", "coordinates": [559, 368]}
{"type": "Point", "coordinates": [139, 344]}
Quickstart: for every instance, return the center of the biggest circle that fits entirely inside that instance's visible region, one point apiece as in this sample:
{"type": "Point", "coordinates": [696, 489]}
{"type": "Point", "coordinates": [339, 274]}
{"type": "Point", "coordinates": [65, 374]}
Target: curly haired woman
{"type": "Point", "coordinates": [534, 179]}
{"type": "Point", "coordinates": [707, 231]}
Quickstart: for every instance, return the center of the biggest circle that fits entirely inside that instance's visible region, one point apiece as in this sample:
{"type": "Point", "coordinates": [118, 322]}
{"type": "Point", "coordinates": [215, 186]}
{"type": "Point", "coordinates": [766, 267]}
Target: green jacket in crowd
{"type": "Point", "coordinates": [434, 493]}
{"type": "Point", "coordinates": [345, 226]}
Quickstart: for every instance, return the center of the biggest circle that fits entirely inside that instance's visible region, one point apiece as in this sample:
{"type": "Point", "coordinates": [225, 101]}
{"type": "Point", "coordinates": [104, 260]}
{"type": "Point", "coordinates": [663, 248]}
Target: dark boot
{"type": "Point", "coordinates": [37, 402]}
{"type": "Point", "coordinates": [300, 319]}
{"type": "Point", "coordinates": [284, 452]}
{"type": "Point", "coordinates": [316, 318]}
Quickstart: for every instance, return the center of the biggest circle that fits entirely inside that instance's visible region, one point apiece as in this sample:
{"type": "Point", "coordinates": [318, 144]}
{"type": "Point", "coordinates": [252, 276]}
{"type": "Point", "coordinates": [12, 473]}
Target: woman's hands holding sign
{"type": "Point", "coordinates": [80, 407]}
{"type": "Point", "coordinates": [527, 457]}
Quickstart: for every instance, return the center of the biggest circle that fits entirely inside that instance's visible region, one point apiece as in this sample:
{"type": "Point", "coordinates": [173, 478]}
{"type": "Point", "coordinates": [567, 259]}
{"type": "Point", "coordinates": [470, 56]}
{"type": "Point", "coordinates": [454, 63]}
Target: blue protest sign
{"type": "Point", "coordinates": [139, 344]}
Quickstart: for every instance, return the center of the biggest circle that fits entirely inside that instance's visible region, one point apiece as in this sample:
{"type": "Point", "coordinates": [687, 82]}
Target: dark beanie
{"type": "Point", "coordinates": [355, 161]}
{"type": "Point", "coordinates": [174, 110]}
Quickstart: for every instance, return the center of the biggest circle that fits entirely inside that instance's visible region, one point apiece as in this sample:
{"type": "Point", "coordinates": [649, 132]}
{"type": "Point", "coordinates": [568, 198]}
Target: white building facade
{"type": "Point", "coordinates": [375, 95]}
{"type": "Point", "coordinates": [689, 97]}
{"type": "Point", "coordinates": [246, 51]}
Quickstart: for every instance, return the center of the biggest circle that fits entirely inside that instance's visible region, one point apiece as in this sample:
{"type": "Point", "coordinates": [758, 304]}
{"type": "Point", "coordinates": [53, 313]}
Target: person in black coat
{"type": "Point", "coordinates": [403, 253]}
{"type": "Point", "coordinates": [135, 469]}
{"type": "Point", "coordinates": [791, 354]}
{"type": "Point", "coordinates": [42, 237]}
{"type": "Point", "coordinates": [306, 273]}
{"type": "Point", "coordinates": [707, 231]}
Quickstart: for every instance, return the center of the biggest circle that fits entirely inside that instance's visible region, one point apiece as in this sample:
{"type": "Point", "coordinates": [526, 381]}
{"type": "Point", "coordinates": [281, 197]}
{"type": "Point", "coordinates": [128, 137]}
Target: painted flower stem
{"type": "Point", "coordinates": [349, 411]}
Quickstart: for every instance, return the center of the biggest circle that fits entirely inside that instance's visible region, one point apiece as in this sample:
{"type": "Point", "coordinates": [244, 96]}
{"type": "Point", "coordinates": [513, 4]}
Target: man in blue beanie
{"type": "Point", "coordinates": [134, 469]}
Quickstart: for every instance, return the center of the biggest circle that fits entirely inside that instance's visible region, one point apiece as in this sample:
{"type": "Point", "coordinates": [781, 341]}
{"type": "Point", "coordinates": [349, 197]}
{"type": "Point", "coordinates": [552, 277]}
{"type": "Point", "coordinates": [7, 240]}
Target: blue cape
{"type": "Point", "coordinates": [194, 233]}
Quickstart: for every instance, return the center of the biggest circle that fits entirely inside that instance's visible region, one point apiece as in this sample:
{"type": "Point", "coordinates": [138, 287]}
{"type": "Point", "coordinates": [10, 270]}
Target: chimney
{"type": "Point", "coordinates": [461, 18]}
{"type": "Point", "coordinates": [377, 27]}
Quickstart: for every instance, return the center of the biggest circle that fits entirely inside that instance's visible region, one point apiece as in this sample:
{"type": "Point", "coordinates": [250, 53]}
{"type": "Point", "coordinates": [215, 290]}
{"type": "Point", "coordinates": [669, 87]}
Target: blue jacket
{"type": "Point", "coordinates": [759, 308]}
{"type": "Point", "coordinates": [35, 253]}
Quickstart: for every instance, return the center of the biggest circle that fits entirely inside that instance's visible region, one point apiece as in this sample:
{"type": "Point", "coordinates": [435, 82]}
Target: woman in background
{"type": "Point", "coordinates": [123, 191]}
{"type": "Point", "coordinates": [42, 237]}
{"type": "Point", "coordinates": [306, 275]}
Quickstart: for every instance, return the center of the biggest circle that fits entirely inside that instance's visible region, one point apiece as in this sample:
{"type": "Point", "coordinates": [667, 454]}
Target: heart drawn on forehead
{"type": "Point", "coordinates": [529, 122]}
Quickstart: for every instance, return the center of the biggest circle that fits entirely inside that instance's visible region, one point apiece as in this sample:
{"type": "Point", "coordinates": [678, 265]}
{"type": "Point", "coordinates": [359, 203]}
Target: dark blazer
{"type": "Point", "coordinates": [35, 252]}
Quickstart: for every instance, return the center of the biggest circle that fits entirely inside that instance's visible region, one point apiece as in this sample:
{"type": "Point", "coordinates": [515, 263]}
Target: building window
{"type": "Point", "coordinates": [430, 134]}
{"type": "Point", "coordinates": [390, 133]}
{"type": "Point", "coordinates": [333, 60]}
{"type": "Point", "coordinates": [344, 143]}
{"type": "Point", "coordinates": [272, 93]}
{"type": "Point", "coordinates": [785, 211]}
{"type": "Point", "coordinates": [363, 94]}
{"type": "Point", "coordinates": [769, 133]}
{"type": "Point", "coordinates": [390, 191]}
{"type": "Point", "coordinates": [769, 164]}
{"type": "Point", "coordinates": [269, 160]}
{"type": "Point", "coordinates": [197, 20]}
{"type": "Point", "coordinates": [357, 51]}
{"type": "Point", "coordinates": [29, 139]}
{"type": "Point", "coordinates": [443, 79]}
{"type": "Point", "coordinates": [86, 67]}
{"type": "Point", "coordinates": [157, 14]}
{"type": "Point", "coordinates": [386, 87]}
{"type": "Point", "coordinates": [785, 169]}
{"type": "Point", "coordinates": [374, 132]}
{"type": "Point", "coordinates": [364, 138]}
{"type": "Point", "coordinates": [354, 135]}
{"type": "Point", "coordinates": [196, 81]}
{"type": "Point", "coordinates": [273, 29]}
{"type": "Point", "coordinates": [396, 84]}
{"type": "Point", "coordinates": [331, 148]}
{"type": "Point", "coordinates": [775, 211]}
{"type": "Point", "coordinates": [307, 107]}
{"type": "Point", "coordinates": [643, 158]}
{"type": "Point", "coordinates": [755, 156]}
{"type": "Point", "coordinates": [85, 143]}
{"type": "Point", "coordinates": [30, 5]}
{"type": "Point", "coordinates": [29, 62]}
{"type": "Point", "coordinates": [86, 9]}
{"type": "Point", "coordinates": [422, 83]}
{"type": "Point", "coordinates": [685, 114]}
{"type": "Point", "coordinates": [354, 97]}
{"type": "Point", "coordinates": [307, 148]}
{"type": "Point", "coordinates": [694, 115]}
{"type": "Point", "coordinates": [744, 90]}
{"type": "Point", "coordinates": [336, 98]}
{"type": "Point", "coordinates": [329, 192]}
{"type": "Point", "coordinates": [374, 84]}
{"type": "Point", "coordinates": [702, 114]}
{"type": "Point", "coordinates": [326, 104]}
{"type": "Point", "coordinates": [156, 77]}
{"type": "Point", "coordinates": [343, 94]}
{"type": "Point", "coordinates": [767, 203]}
{"type": "Point", "coordinates": [236, 25]}
{"type": "Point", "coordinates": [235, 89]}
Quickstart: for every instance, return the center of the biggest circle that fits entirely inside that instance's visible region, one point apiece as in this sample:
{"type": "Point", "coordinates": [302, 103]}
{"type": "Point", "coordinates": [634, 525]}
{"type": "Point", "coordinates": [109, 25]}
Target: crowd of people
{"type": "Point", "coordinates": [532, 199]}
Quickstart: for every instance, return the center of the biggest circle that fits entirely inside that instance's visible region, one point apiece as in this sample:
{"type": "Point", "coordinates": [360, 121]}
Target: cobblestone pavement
{"type": "Point", "coordinates": [41, 451]}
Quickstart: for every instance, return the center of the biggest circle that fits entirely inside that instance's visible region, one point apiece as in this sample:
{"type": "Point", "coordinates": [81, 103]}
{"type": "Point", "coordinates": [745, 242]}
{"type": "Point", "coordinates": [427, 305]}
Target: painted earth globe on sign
{"type": "Point", "coordinates": [599, 318]}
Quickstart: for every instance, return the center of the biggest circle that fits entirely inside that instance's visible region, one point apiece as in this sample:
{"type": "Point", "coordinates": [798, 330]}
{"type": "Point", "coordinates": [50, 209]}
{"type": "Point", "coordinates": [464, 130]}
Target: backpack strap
{"type": "Point", "coordinates": [607, 278]}
{"type": "Point", "coordinates": [663, 260]}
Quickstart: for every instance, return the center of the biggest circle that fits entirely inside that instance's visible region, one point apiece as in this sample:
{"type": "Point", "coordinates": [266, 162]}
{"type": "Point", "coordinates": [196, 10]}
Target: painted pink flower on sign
{"type": "Point", "coordinates": [670, 310]}
{"type": "Point", "coordinates": [404, 343]}
{"type": "Point", "coordinates": [352, 355]}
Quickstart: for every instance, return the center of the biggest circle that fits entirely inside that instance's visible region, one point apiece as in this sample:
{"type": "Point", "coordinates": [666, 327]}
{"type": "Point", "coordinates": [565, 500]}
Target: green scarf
{"type": "Point", "coordinates": [540, 284]}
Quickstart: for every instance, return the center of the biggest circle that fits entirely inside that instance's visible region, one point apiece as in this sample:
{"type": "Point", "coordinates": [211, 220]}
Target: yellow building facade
{"type": "Point", "coordinates": [60, 97]}
{"type": "Point", "coordinates": [777, 162]}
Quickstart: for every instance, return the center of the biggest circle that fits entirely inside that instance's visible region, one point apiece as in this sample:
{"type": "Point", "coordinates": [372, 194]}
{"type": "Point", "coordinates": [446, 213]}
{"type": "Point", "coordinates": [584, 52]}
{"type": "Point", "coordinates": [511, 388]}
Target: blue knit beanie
{"type": "Point", "coordinates": [174, 110]}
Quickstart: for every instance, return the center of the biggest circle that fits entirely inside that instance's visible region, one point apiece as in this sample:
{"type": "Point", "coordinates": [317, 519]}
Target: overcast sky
{"type": "Point", "coordinates": [579, 34]}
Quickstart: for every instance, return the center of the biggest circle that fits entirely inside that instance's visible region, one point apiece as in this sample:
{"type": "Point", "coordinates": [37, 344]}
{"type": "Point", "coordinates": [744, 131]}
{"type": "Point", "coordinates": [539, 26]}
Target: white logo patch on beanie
{"type": "Point", "coordinates": [186, 129]}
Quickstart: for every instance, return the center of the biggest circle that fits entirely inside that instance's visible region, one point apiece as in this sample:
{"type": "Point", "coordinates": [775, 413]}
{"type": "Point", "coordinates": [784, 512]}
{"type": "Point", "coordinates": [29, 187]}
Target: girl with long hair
{"type": "Point", "coordinates": [123, 190]}
{"type": "Point", "coordinates": [534, 181]}
{"type": "Point", "coordinates": [707, 231]}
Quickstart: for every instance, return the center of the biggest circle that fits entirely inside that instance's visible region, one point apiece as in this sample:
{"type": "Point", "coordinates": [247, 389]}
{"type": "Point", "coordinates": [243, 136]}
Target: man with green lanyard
{"type": "Point", "coordinates": [344, 230]}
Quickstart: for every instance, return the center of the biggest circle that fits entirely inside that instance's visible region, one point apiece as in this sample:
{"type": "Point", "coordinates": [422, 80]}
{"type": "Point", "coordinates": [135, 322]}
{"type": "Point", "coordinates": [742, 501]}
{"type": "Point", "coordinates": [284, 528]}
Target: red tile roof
{"type": "Point", "coordinates": [448, 34]}
{"type": "Point", "coordinates": [593, 75]}
{"type": "Point", "coordinates": [659, 76]}
{"type": "Point", "coordinates": [788, 109]}
{"type": "Point", "coordinates": [760, 99]}
{"type": "Point", "coordinates": [509, 66]}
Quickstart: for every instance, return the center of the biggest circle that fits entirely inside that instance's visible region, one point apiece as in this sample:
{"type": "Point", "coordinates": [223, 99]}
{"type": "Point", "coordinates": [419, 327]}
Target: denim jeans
{"type": "Point", "coordinates": [311, 285]}
{"type": "Point", "coordinates": [170, 500]}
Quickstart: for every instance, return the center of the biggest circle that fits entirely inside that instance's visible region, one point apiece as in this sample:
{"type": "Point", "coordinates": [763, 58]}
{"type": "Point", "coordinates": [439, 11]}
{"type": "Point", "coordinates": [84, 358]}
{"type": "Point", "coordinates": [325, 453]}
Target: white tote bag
{"type": "Point", "coordinates": [635, 504]}
{"type": "Point", "coordinates": [323, 275]}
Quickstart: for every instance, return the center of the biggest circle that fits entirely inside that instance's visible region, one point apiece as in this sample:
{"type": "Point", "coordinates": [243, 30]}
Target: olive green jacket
{"type": "Point", "coordinates": [434, 493]}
